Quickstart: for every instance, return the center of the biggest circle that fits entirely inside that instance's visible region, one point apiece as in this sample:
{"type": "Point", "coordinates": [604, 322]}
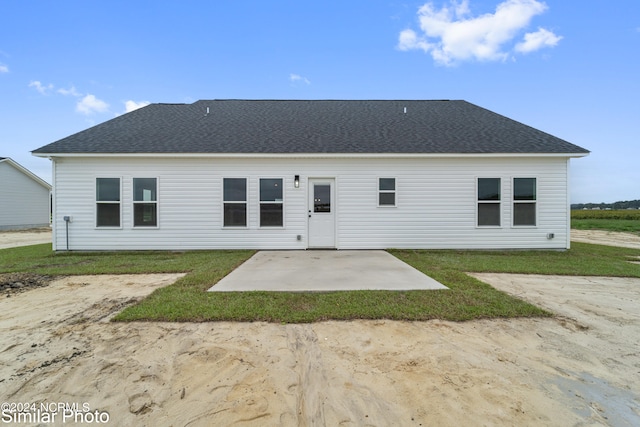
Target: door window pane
{"type": "Point", "coordinates": [321, 198]}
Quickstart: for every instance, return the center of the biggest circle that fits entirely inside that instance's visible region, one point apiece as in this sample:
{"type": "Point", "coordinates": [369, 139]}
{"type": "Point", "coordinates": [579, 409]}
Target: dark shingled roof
{"type": "Point", "coordinates": [312, 126]}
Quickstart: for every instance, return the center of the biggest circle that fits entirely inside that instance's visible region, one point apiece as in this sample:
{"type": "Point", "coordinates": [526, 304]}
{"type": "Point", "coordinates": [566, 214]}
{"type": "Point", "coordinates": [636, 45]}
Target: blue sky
{"type": "Point", "coordinates": [570, 69]}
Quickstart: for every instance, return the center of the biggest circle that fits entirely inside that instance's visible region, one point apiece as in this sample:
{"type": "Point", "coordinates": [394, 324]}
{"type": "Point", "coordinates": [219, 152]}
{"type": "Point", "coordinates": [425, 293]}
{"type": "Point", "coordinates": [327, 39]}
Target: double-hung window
{"type": "Point", "coordinates": [386, 191]}
{"type": "Point", "coordinates": [145, 202]}
{"type": "Point", "coordinates": [524, 201]}
{"type": "Point", "coordinates": [107, 202]}
{"type": "Point", "coordinates": [489, 202]}
{"type": "Point", "coordinates": [235, 202]}
{"type": "Point", "coordinates": [271, 202]}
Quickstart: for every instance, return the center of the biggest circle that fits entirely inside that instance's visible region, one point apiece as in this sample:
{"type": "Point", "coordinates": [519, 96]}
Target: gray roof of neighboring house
{"type": "Point", "coordinates": [312, 126]}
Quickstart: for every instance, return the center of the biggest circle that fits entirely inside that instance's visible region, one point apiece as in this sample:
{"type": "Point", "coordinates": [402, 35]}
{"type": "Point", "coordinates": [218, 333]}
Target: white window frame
{"type": "Point", "coordinates": [276, 202]}
{"type": "Point", "coordinates": [246, 203]}
{"type": "Point", "coordinates": [135, 202]}
{"type": "Point", "coordinates": [107, 202]}
{"type": "Point", "coordinates": [494, 202]}
{"type": "Point", "coordinates": [394, 191]}
{"type": "Point", "coordinates": [514, 202]}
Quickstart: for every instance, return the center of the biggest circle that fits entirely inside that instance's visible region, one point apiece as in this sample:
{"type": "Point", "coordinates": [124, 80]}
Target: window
{"type": "Point", "coordinates": [488, 202]}
{"type": "Point", "coordinates": [108, 202]}
{"type": "Point", "coordinates": [271, 209]}
{"type": "Point", "coordinates": [386, 191]}
{"type": "Point", "coordinates": [145, 202]}
{"type": "Point", "coordinates": [235, 202]}
{"type": "Point", "coordinates": [524, 201]}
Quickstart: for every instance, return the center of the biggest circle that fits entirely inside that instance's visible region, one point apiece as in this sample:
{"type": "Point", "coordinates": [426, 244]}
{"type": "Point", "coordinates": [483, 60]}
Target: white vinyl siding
{"type": "Point", "coordinates": [24, 203]}
{"type": "Point", "coordinates": [437, 207]}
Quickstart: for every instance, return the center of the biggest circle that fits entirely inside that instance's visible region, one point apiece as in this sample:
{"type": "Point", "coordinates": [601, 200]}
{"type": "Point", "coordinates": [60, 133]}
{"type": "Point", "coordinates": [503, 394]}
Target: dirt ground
{"type": "Point", "coordinates": [609, 238]}
{"type": "Point", "coordinates": [32, 236]}
{"type": "Point", "coordinates": [581, 368]}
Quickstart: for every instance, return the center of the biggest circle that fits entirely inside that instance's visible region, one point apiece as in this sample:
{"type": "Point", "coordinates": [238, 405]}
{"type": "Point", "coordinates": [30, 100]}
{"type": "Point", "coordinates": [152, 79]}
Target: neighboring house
{"type": "Point", "coordinates": [267, 174]}
{"type": "Point", "coordinates": [25, 199]}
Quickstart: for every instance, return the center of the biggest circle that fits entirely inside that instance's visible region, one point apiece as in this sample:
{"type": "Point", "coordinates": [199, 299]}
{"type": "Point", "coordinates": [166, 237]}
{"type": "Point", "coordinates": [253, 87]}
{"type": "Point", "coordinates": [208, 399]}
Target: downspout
{"type": "Point", "coordinates": [54, 203]}
{"type": "Point", "coordinates": [568, 186]}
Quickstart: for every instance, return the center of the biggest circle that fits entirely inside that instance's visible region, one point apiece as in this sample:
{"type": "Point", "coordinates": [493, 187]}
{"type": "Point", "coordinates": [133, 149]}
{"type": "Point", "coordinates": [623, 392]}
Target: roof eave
{"type": "Point", "coordinates": [311, 155]}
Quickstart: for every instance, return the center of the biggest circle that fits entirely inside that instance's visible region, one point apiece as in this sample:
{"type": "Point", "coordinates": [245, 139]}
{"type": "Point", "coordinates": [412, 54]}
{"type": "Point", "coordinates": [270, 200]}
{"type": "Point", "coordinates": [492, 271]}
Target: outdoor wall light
{"type": "Point", "coordinates": [296, 181]}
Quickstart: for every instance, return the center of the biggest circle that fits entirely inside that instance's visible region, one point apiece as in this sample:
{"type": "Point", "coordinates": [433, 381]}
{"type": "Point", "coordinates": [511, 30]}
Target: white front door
{"type": "Point", "coordinates": [322, 213]}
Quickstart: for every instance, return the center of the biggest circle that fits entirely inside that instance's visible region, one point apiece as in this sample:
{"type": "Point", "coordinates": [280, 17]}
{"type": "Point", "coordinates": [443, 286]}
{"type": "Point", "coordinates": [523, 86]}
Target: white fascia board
{"type": "Point", "coordinates": [312, 155]}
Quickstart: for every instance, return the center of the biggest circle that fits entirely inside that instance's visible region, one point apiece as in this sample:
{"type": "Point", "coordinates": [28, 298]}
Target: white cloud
{"type": "Point", "coordinates": [90, 104]}
{"type": "Point", "coordinates": [4, 68]}
{"type": "Point", "coordinates": [539, 39]}
{"type": "Point", "coordinates": [294, 78]}
{"type": "Point", "coordinates": [43, 89]}
{"type": "Point", "coordinates": [451, 35]}
{"type": "Point", "coordinates": [133, 105]}
{"type": "Point", "coordinates": [69, 92]}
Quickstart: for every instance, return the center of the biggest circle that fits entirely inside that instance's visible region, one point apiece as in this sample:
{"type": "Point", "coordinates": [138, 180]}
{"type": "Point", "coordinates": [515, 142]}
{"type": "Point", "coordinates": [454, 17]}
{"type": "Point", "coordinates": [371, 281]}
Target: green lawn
{"type": "Point", "coordinates": [187, 299]}
{"type": "Point", "coordinates": [614, 220]}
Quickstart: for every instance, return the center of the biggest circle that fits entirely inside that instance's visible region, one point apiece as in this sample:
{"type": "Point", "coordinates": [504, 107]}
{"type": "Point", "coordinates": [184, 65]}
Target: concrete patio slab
{"type": "Point", "coordinates": [324, 271]}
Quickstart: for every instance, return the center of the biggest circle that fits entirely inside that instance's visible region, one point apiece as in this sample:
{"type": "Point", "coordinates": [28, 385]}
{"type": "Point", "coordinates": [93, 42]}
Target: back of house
{"type": "Point", "coordinates": [278, 174]}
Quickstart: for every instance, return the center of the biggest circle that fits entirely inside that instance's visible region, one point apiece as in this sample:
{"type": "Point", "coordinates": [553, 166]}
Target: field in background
{"type": "Point", "coordinates": [627, 220]}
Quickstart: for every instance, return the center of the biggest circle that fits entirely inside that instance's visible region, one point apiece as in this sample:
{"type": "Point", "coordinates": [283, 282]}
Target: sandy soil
{"type": "Point", "coordinates": [12, 239]}
{"type": "Point", "coordinates": [609, 238]}
{"type": "Point", "coordinates": [582, 368]}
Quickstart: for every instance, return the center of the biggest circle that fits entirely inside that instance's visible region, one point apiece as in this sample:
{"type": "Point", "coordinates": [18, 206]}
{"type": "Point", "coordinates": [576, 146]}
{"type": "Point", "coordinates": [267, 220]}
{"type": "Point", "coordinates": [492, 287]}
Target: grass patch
{"type": "Point", "coordinates": [207, 267]}
{"type": "Point", "coordinates": [187, 299]}
{"type": "Point", "coordinates": [614, 220]}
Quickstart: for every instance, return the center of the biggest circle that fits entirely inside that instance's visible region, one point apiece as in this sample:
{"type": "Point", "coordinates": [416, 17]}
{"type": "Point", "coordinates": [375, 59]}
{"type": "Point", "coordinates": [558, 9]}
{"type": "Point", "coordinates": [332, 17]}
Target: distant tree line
{"type": "Point", "coordinates": [630, 204]}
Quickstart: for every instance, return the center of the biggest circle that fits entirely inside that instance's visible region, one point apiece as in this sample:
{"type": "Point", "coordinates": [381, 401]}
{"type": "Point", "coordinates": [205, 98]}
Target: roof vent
{"type": "Point", "coordinates": [405, 110]}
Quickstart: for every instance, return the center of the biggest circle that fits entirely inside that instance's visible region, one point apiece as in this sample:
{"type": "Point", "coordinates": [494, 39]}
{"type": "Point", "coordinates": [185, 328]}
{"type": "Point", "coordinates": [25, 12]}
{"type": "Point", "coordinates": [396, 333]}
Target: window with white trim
{"type": "Point", "coordinates": [107, 202]}
{"type": "Point", "coordinates": [488, 205]}
{"type": "Point", "coordinates": [524, 202]}
{"type": "Point", "coordinates": [386, 191]}
{"type": "Point", "coordinates": [271, 202]}
{"type": "Point", "coordinates": [234, 202]}
{"type": "Point", "coordinates": [145, 202]}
